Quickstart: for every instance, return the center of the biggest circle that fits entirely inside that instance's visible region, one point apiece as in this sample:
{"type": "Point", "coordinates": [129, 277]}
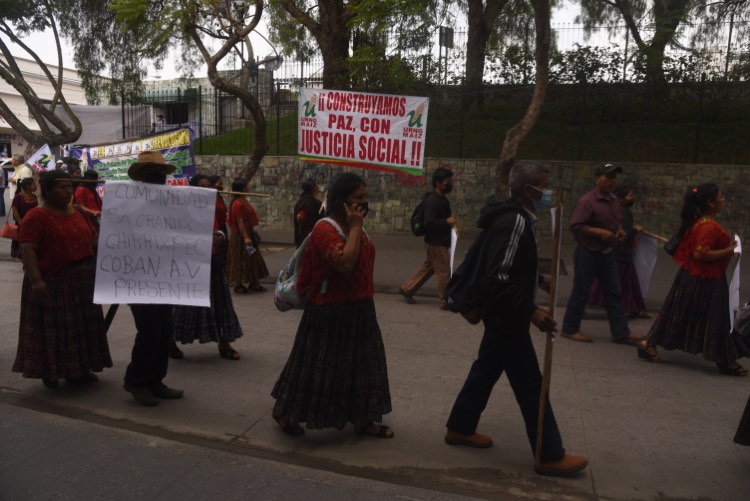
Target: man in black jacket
{"type": "Point", "coordinates": [506, 345]}
{"type": "Point", "coordinates": [438, 223]}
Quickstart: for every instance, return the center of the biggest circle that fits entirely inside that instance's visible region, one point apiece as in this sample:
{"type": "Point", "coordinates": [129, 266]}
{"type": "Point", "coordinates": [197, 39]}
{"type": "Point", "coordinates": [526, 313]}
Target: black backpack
{"type": "Point", "coordinates": [468, 288]}
{"type": "Point", "coordinates": [417, 218]}
{"type": "Point", "coordinates": [472, 284]}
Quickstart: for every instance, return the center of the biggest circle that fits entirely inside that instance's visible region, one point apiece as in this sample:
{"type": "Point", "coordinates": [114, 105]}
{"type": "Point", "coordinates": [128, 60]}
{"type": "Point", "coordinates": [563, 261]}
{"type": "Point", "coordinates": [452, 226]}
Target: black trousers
{"type": "Point", "coordinates": [150, 358]}
{"type": "Point", "coordinates": [513, 353]}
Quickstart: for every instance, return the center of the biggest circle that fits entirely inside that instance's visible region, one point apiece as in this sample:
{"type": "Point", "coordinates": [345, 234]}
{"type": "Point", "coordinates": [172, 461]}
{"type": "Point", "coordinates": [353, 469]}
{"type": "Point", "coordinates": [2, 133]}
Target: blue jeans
{"type": "Point", "coordinates": [588, 265]}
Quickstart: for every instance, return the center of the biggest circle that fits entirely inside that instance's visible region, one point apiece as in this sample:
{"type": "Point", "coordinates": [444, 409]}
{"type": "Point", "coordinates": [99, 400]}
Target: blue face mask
{"type": "Point", "coordinates": [546, 201]}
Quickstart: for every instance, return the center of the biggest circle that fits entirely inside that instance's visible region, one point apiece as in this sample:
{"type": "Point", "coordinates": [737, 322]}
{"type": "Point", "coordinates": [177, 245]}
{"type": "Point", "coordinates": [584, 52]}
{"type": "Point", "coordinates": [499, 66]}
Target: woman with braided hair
{"type": "Point", "coordinates": [695, 315]}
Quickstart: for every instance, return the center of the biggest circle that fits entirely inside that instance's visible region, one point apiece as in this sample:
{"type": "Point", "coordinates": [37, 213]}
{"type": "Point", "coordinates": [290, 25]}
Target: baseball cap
{"type": "Point", "coordinates": [607, 169]}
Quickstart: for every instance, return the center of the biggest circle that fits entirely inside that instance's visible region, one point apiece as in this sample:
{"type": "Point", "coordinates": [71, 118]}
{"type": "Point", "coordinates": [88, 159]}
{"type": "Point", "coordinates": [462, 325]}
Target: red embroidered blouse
{"type": "Point", "coordinates": [220, 216]}
{"type": "Point", "coordinates": [61, 239]}
{"type": "Point", "coordinates": [706, 234]}
{"type": "Point", "coordinates": [242, 209]}
{"type": "Point", "coordinates": [85, 198]}
{"type": "Point", "coordinates": [323, 250]}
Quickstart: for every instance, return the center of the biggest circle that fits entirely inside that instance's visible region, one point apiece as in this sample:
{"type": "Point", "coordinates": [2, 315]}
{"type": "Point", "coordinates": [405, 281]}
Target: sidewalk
{"type": "Point", "coordinates": [650, 431]}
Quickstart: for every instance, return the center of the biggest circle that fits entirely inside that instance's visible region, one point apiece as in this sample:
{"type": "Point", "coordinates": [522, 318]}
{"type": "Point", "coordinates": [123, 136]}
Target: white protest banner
{"type": "Point", "coordinates": [733, 270]}
{"type": "Point", "coordinates": [372, 131]}
{"type": "Point", "coordinates": [556, 219]}
{"type": "Point", "coordinates": [155, 244]}
{"type": "Point", "coordinates": [644, 259]}
{"type": "Point", "coordinates": [454, 244]}
{"type": "Point", "coordinates": [42, 159]}
{"type": "Point", "coordinates": [112, 161]}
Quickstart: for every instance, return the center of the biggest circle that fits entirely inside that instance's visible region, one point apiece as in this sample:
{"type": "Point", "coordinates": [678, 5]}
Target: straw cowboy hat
{"type": "Point", "coordinates": [148, 158]}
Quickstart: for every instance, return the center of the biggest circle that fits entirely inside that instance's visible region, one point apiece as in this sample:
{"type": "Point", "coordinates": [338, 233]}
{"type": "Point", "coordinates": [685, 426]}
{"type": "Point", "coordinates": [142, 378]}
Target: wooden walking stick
{"type": "Point", "coordinates": [547, 372]}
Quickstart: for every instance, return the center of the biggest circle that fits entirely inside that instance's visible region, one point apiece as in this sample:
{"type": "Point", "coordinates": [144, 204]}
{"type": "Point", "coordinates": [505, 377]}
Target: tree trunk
{"type": "Point", "coordinates": [476, 49]}
{"type": "Point", "coordinates": [655, 78]}
{"type": "Point", "coordinates": [331, 31]}
{"type": "Point", "coordinates": [481, 20]}
{"type": "Point", "coordinates": [252, 104]}
{"type": "Point", "coordinates": [519, 131]}
{"type": "Point", "coordinates": [333, 37]}
{"type": "Point", "coordinates": [334, 47]}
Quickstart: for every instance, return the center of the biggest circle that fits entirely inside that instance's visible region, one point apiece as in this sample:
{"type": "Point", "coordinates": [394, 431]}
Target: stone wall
{"type": "Point", "coordinates": [659, 189]}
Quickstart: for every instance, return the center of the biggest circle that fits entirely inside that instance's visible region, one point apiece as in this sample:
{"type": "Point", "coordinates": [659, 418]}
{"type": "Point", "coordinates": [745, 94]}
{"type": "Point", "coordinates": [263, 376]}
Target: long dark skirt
{"type": "Point", "coordinates": [62, 337]}
{"type": "Point", "coordinates": [743, 430]}
{"type": "Point", "coordinates": [632, 297]}
{"type": "Point", "coordinates": [336, 372]}
{"type": "Point", "coordinates": [695, 318]}
{"type": "Point", "coordinates": [242, 267]}
{"type": "Point", "coordinates": [216, 323]}
{"type": "Point", "coordinates": [15, 249]}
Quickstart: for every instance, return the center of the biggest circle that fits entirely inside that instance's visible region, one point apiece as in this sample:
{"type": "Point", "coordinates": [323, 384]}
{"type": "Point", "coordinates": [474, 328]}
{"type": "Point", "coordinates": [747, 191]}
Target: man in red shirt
{"type": "Point", "coordinates": [596, 225]}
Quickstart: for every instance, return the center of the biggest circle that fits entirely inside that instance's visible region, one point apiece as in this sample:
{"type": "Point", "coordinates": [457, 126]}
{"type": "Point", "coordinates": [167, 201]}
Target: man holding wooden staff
{"type": "Point", "coordinates": [509, 313]}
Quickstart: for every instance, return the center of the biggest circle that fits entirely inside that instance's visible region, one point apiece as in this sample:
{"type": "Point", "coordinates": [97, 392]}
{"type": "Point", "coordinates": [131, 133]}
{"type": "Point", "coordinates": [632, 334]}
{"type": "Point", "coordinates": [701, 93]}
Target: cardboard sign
{"type": "Point", "coordinates": [155, 245]}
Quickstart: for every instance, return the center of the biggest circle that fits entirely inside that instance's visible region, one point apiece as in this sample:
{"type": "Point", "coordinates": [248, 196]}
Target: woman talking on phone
{"type": "Point", "coordinates": [336, 372]}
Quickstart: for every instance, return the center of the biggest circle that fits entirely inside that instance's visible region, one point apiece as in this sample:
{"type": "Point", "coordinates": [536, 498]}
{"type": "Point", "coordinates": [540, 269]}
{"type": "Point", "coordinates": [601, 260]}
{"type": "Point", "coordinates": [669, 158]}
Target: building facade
{"type": "Point", "coordinates": [12, 142]}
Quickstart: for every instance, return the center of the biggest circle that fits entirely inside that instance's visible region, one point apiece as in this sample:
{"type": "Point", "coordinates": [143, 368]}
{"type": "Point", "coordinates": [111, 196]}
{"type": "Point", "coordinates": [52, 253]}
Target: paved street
{"type": "Point", "coordinates": [650, 431]}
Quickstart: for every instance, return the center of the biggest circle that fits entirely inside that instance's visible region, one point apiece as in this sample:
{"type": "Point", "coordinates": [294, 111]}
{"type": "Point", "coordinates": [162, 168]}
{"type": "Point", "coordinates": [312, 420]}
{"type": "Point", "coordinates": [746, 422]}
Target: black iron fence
{"type": "Point", "coordinates": [697, 122]}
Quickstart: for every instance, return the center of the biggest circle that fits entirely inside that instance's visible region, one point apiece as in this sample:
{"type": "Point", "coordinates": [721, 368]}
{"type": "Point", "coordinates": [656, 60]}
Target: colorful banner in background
{"type": "Point", "coordinates": [372, 131]}
{"type": "Point", "coordinates": [112, 161]}
{"type": "Point", "coordinates": [42, 159]}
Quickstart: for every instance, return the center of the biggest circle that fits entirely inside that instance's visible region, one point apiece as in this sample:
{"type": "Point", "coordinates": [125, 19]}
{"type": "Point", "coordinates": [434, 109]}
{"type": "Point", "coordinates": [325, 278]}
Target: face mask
{"type": "Point", "coordinates": [448, 188]}
{"type": "Point", "coordinates": [545, 202]}
{"type": "Point", "coordinates": [154, 178]}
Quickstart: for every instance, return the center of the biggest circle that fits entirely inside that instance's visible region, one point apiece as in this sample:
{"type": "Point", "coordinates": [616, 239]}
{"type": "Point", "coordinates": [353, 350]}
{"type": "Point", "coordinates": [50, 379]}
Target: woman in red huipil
{"type": "Point", "coordinates": [86, 197]}
{"type": "Point", "coordinates": [61, 332]}
{"type": "Point", "coordinates": [22, 203]}
{"type": "Point", "coordinates": [337, 372]}
{"type": "Point", "coordinates": [218, 323]}
{"type": "Point", "coordinates": [695, 315]}
{"type": "Point", "coordinates": [246, 264]}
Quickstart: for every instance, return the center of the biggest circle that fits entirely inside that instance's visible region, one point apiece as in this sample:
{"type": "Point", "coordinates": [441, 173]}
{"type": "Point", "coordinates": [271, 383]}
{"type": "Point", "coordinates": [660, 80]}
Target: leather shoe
{"type": "Point", "coordinates": [142, 395]}
{"type": "Point", "coordinates": [566, 466]}
{"type": "Point", "coordinates": [578, 336]}
{"type": "Point", "coordinates": [408, 298]}
{"type": "Point", "coordinates": [164, 391]}
{"type": "Point", "coordinates": [474, 440]}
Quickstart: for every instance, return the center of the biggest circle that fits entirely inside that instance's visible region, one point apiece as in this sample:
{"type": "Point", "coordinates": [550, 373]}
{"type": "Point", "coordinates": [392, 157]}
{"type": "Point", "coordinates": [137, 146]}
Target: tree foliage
{"type": "Point", "coordinates": [653, 25]}
{"type": "Point", "coordinates": [19, 19]}
{"type": "Point", "coordinates": [212, 29]}
{"type": "Point", "coordinates": [353, 37]}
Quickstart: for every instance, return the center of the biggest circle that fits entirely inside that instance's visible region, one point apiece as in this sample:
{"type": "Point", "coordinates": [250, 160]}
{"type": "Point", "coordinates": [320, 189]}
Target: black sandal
{"type": "Point", "coordinates": [49, 383]}
{"type": "Point", "coordinates": [382, 432]}
{"type": "Point", "coordinates": [293, 430]}
{"type": "Point", "coordinates": [229, 353]}
{"type": "Point", "coordinates": [645, 354]}
{"type": "Point", "coordinates": [241, 289]}
{"type": "Point", "coordinates": [734, 371]}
